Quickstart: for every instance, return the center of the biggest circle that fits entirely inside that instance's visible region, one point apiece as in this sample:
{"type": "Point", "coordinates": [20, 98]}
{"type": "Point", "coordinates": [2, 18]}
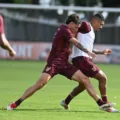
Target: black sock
{"type": "Point", "coordinates": [100, 102]}
{"type": "Point", "coordinates": [19, 101]}
{"type": "Point", "coordinates": [68, 99]}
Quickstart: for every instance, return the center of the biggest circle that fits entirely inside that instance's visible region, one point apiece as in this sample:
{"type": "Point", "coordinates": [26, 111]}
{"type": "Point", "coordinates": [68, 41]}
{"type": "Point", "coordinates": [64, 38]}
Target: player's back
{"type": "Point", "coordinates": [60, 46]}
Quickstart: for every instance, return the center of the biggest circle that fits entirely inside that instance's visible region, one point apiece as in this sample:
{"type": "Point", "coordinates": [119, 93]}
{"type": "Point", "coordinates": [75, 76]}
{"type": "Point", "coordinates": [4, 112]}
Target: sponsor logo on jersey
{"type": "Point", "coordinates": [94, 68]}
{"type": "Point", "coordinates": [47, 69]}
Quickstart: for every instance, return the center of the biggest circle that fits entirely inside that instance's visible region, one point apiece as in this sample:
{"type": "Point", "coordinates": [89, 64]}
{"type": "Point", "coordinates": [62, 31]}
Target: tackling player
{"type": "Point", "coordinates": [82, 61]}
{"type": "Point", "coordinates": [57, 63]}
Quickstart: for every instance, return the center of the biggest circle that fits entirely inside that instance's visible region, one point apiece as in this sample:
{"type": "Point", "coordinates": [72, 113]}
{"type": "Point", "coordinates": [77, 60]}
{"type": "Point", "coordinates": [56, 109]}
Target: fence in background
{"type": "Point", "coordinates": [38, 23]}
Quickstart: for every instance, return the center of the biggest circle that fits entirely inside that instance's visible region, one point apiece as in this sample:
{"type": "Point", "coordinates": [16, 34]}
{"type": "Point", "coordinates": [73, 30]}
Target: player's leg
{"type": "Point", "coordinates": [48, 72]}
{"type": "Point", "coordinates": [84, 65]}
{"type": "Point", "coordinates": [38, 85]}
{"type": "Point", "coordinates": [72, 73]}
{"type": "Point", "coordinates": [93, 72]}
{"type": "Point", "coordinates": [78, 89]}
{"type": "Point", "coordinates": [81, 78]}
{"type": "Point", "coordinates": [31, 90]}
{"type": "Point", "coordinates": [88, 68]}
{"type": "Point", "coordinates": [102, 79]}
{"type": "Point", "coordinates": [96, 73]}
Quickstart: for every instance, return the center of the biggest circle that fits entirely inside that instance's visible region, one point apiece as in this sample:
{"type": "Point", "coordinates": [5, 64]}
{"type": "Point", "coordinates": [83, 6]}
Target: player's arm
{"type": "Point", "coordinates": [5, 45]}
{"type": "Point", "coordinates": [75, 42]}
{"type": "Point", "coordinates": [105, 52]}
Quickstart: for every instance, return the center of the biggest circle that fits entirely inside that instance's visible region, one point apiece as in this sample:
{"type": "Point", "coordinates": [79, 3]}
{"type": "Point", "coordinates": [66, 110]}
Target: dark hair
{"type": "Point", "coordinates": [99, 15]}
{"type": "Point", "coordinates": [73, 18]}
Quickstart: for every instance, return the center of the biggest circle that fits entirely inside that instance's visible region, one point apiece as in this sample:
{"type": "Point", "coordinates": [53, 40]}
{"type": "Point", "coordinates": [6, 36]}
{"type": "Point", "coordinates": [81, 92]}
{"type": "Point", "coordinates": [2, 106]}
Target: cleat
{"type": "Point", "coordinates": [62, 103]}
{"type": "Point", "coordinates": [111, 109]}
{"type": "Point", "coordinates": [11, 106]}
{"type": "Point", "coordinates": [106, 106]}
{"type": "Point", "coordinates": [111, 104]}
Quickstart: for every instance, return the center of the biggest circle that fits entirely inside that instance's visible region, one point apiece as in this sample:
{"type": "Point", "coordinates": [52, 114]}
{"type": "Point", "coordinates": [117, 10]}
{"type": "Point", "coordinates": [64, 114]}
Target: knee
{"type": "Point", "coordinates": [104, 79]}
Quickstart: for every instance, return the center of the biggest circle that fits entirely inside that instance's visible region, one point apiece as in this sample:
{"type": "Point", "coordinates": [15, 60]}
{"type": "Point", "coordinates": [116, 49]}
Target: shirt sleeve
{"type": "Point", "coordinates": [1, 25]}
{"type": "Point", "coordinates": [84, 28]}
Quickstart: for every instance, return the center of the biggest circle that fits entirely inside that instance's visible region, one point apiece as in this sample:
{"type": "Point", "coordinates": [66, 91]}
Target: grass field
{"type": "Point", "coordinates": [16, 76]}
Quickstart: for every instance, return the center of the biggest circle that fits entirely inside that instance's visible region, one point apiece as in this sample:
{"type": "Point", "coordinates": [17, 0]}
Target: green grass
{"type": "Point", "coordinates": [16, 76]}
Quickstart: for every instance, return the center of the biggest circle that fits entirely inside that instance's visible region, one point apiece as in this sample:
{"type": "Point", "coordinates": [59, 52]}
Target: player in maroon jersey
{"type": "Point", "coordinates": [82, 61]}
{"type": "Point", "coordinates": [57, 63]}
{"type": "Point", "coordinates": [3, 41]}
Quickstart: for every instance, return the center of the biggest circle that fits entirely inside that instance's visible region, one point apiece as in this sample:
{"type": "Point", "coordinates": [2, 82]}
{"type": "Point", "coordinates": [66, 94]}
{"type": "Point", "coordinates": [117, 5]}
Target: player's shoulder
{"type": "Point", "coordinates": [64, 29]}
{"type": "Point", "coordinates": [85, 27]}
{"type": "Point", "coordinates": [63, 26]}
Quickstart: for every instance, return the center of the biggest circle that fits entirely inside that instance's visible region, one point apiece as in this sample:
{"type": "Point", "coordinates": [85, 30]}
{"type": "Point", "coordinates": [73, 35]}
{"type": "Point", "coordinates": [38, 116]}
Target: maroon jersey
{"type": "Point", "coordinates": [1, 25]}
{"type": "Point", "coordinates": [60, 47]}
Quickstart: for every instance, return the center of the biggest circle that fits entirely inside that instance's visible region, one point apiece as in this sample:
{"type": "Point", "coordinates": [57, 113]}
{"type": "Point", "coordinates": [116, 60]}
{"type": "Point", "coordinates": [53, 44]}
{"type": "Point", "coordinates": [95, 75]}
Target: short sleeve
{"type": "Point", "coordinates": [1, 25]}
{"type": "Point", "coordinates": [84, 28]}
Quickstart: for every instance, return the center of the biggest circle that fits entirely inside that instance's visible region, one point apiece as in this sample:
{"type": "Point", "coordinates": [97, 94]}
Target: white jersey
{"type": "Point", "coordinates": [86, 37]}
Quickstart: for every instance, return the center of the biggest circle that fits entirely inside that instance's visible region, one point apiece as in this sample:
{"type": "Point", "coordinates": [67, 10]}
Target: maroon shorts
{"type": "Point", "coordinates": [86, 66]}
{"type": "Point", "coordinates": [67, 70]}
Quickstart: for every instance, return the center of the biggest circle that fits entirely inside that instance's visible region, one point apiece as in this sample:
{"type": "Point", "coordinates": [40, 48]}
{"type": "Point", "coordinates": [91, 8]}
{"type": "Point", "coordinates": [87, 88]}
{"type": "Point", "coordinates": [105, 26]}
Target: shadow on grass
{"type": "Point", "coordinates": [51, 110]}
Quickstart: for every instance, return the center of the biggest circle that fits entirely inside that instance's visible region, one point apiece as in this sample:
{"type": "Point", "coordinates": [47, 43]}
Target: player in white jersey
{"type": "Point", "coordinates": [82, 61]}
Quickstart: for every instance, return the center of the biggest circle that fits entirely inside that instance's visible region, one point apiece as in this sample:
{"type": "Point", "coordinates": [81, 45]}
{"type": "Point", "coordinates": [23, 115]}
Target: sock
{"type": "Point", "coordinates": [100, 102]}
{"type": "Point", "coordinates": [19, 101]}
{"type": "Point", "coordinates": [68, 99]}
{"type": "Point", "coordinates": [104, 98]}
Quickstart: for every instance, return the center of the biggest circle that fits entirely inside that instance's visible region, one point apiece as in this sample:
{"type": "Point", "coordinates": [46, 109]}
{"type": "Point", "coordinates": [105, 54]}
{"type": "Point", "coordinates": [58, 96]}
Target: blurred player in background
{"type": "Point", "coordinates": [82, 61]}
{"type": "Point", "coordinates": [57, 63]}
{"type": "Point", "coordinates": [3, 41]}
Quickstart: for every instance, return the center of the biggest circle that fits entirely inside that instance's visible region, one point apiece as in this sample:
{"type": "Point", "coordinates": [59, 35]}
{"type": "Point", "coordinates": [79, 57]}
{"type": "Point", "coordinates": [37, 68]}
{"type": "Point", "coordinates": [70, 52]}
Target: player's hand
{"type": "Point", "coordinates": [107, 51]}
{"type": "Point", "coordinates": [91, 54]}
{"type": "Point", "coordinates": [12, 53]}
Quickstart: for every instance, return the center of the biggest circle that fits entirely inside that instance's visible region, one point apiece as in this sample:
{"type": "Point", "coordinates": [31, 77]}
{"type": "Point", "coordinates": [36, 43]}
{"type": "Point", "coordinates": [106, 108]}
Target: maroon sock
{"type": "Point", "coordinates": [68, 99]}
{"type": "Point", "coordinates": [19, 101]}
{"type": "Point", "coordinates": [100, 102]}
{"type": "Point", "coordinates": [104, 98]}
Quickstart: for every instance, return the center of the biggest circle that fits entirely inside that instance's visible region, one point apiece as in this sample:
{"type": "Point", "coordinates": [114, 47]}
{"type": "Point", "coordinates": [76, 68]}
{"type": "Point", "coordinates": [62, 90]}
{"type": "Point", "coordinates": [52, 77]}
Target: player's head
{"type": "Point", "coordinates": [97, 21]}
{"type": "Point", "coordinates": [73, 22]}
